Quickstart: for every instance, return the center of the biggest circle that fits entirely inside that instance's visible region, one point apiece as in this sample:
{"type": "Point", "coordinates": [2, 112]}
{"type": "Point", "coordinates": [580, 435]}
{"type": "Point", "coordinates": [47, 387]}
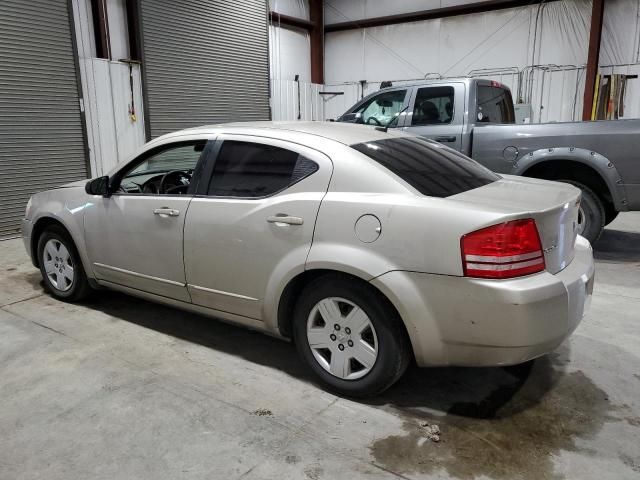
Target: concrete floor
{"type": "Point", "coordinates": [119, 388]}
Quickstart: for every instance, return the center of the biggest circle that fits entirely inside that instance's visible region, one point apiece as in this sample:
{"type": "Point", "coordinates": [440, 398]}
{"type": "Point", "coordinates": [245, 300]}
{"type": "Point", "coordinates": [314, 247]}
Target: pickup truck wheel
{"type": "Point", "coordinates": [61, 266]}
{"type": "Point", "coordinates": [610, 214]}
{"type": "Point", "coordinates": [591, 219]}
{"type": "Point", "coordinates": [350, 336]}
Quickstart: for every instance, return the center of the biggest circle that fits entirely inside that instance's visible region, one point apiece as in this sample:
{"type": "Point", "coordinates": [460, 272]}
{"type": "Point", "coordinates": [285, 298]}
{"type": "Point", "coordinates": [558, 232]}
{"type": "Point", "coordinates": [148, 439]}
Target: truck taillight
{"type": "Point", "coordinates": [506, 250]}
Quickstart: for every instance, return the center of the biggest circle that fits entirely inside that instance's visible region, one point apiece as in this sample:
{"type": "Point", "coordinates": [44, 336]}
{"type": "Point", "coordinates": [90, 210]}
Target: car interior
{"type": "Point", "coordinates": [167, 172]}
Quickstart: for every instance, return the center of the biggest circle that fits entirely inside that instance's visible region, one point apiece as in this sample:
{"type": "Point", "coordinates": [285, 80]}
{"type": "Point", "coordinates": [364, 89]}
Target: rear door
{"type": "Point", "coordinates": [437, 112]}
{"type": "Point", "coordinates": [252, 220]}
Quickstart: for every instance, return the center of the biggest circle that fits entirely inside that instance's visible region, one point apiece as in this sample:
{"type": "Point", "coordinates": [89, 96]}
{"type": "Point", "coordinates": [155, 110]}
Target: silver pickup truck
{"type": "Point", "coordinates": [477, 118]}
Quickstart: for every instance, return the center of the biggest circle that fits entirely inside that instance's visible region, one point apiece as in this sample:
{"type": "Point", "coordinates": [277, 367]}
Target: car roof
{"type": "Point", "coordinates": [345, 133]}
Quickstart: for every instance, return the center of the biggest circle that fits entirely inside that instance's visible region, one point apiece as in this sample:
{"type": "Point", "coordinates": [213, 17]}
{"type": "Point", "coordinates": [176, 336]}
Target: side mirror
{"type": "Point", "coordinates": [98, 186]}
{"type": "Point", "coordinates": [349, 118]}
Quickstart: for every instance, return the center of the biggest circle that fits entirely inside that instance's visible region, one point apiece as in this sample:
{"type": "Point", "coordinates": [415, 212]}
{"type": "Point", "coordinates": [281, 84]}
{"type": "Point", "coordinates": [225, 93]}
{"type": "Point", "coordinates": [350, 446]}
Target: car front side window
{"type": "Point", "coordinates": [254, 170]}
{"type": "Point", "coordinates": [167, 170]}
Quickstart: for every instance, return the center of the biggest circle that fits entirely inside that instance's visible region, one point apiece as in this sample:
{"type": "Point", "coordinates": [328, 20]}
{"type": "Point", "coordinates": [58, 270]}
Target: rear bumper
{"type": "Point", "coordinates": [475, 322]}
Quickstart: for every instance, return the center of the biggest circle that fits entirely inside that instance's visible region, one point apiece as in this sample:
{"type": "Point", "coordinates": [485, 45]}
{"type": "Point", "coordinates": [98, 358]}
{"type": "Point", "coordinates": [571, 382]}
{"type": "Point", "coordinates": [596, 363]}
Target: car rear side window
{"type": "Point", "coordinates": [495, 105]}
{"type": "Point", "coordinates": [430, 168]}
{"type": "Point", "coordinates": [252, 170]}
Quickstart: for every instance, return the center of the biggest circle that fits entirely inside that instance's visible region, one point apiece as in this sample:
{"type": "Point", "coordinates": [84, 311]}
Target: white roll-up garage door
{"type": "Point", "coordinates": [41, 133]}
{"type": "Point", "coordinates": [205, 61]}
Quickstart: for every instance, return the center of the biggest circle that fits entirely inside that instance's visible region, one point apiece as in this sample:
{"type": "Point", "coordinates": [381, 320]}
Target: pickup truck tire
{"type": "Point", "coordinates": [611, 215]}
{"type": "Point", "coordinates": [592, 210]}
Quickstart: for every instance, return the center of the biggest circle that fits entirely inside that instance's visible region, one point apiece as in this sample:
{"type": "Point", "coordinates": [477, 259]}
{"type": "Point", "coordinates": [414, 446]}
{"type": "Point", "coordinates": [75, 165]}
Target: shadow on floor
{"type": "Point", "coordinates": [618, 246]}
{"type": "Point", "coordinates": [469, 392]}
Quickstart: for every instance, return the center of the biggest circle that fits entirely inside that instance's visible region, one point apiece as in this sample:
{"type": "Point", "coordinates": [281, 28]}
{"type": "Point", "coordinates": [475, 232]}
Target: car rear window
{"type": "Point", "coordinates": [429, 167]}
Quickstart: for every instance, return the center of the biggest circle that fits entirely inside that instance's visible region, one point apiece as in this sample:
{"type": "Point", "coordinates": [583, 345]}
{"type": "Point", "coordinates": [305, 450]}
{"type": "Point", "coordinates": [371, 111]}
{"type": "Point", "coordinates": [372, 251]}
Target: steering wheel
{"type": "Point", "coordinates": [175, 181]}
{"type": "Point", "coordinates": [375, 121]}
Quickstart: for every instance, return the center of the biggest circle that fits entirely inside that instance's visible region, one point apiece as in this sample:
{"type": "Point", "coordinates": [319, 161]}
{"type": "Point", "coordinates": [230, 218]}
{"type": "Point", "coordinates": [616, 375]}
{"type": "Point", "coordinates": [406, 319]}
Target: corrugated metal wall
{"type": "Point", "coordinates": [41, 137]}
{"type": "Point", "coordinates": [204, 62]}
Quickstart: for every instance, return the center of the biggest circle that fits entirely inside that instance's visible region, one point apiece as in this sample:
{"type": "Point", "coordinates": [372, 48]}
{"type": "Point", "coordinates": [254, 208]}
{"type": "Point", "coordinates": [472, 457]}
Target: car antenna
{"type": "Point", "coordinates": [395, 118]}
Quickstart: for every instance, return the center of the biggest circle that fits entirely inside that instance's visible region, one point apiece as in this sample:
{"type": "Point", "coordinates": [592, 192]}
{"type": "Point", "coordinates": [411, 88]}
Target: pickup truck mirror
{"type": "Point", "coordinates": [98, 186]}
{"type": "Point", "coordinates": [349, 118]}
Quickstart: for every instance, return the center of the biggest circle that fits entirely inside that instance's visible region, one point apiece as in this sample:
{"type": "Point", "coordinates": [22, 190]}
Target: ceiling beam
{"type": "Point", "coordinates": [278, 19]}
{"type": "Point", "coordinates": [465, 9]}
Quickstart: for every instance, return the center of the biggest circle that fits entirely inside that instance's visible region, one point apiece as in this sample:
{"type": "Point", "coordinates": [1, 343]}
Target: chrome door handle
{"type": "Point", "coordinates": [280, 218]}
{"type": "Point", "coordinates": [446, 139]}
{"type": "Point", "coordinates": [172, 212]}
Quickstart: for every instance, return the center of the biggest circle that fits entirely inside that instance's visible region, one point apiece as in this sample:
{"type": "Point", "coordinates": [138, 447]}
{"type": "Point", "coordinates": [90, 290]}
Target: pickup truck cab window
{"type": "Point", "coordinates": [382, 108]}
{"type": "Point", "coordinates": [494, 105]}
{"type": "Point", "coordinates": [433, 106]}
{"type": "Point", "coordinates": [254, 170]}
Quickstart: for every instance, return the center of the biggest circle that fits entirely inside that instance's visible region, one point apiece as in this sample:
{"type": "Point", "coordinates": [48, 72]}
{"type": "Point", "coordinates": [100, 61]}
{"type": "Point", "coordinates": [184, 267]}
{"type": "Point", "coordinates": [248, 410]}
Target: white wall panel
{"type": "Point", "coordinates": [621, 32]}
{"type": "Point", "coordinates": [292, 8]}
{"type": "Point", "coordinates": [338, 11]}
{"type": "Point", "coordinates": [454, 46]}
{"type": "Point", "coordinates": [118, 32]}
{"type": "Point", "coordinates": [289, 54]}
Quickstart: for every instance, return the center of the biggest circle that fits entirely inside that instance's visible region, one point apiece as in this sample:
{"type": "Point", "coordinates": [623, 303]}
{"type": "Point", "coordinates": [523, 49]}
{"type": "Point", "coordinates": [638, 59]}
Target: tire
{"type": "Point", "coordinates": [592, 212]}
{"type": "Point", "coordinates": [382, 344]}
{"type": "Point", "coordinates": [60, 265]}
{"type": "Point", "coordinates": [610, 214]}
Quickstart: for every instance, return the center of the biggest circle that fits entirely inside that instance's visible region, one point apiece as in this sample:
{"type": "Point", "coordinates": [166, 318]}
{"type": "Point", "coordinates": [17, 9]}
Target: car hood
{"type": "Point", "coordinates": [78, 183]}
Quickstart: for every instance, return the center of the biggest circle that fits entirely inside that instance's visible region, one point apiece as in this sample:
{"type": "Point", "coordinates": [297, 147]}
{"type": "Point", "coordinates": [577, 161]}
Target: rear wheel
{"type": "Point", "coordinates": [350, 337]}
{"type": "Point", "coordinates": [591, 217]}
{"type": "Point", "coordinates": [60, 265]}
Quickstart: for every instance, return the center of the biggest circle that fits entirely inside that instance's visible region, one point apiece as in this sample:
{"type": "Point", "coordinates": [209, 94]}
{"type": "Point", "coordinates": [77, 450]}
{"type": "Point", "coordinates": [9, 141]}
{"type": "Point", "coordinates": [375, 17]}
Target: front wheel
{"type": "Point", "coordinates": [591, 217]}
{"type": "Point", "coordinates": [350, 336]}
{"type": "Point", "coordinates": [60, 265]}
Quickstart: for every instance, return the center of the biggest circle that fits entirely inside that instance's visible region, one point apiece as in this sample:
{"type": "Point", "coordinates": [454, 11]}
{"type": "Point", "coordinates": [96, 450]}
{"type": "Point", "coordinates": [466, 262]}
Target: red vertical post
{"type": "Point", "coordinates": [595, 35]}
{"type": "Point", "coordinates": [316, 17]}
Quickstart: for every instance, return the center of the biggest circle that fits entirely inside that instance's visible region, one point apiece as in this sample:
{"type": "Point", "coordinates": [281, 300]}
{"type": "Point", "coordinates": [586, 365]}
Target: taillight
{"type": "Point", "coordinates": [506, 250]}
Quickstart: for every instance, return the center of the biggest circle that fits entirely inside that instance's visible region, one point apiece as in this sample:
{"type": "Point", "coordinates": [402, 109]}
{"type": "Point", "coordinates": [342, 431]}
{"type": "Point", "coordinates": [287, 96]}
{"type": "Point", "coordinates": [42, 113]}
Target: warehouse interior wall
{"type": "Point", "coordinates": [113, 133]}
{"type": "Point", "coordinates": [538, 50]}
{"type": "Point", "coordinates": [289, 55]}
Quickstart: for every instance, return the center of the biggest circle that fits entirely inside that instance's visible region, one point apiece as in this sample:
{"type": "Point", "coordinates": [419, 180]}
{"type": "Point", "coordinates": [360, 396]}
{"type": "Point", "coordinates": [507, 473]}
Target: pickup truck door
{"type": "Point", "coordinates": [437, 112]}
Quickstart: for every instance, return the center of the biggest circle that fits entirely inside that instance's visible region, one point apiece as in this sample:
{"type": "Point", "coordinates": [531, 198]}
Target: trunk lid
{"type": "Point", "coordinates": [553, 205]}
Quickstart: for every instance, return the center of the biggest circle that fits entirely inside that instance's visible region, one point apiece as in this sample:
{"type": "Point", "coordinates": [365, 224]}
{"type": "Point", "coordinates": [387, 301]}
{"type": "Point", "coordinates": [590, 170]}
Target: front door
{"type": "Point", "coordinates": [437, 113]}
{"type": "Point", "coordinates": [253, 221]}
{"type": "Point", "coordinates": [135, 236]}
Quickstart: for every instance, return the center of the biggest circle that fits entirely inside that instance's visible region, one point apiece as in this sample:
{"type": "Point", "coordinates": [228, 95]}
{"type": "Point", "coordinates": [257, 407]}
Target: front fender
{"type": "Point", "coordinates": [65, 206]}
{"type": "Point", "coordinates": [590, 158]}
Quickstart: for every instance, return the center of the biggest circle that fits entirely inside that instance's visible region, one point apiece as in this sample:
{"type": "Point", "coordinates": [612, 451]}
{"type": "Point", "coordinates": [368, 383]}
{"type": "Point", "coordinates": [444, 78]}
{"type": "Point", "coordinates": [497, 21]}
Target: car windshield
{"type": "Point", "coordinates": [430, 168]}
